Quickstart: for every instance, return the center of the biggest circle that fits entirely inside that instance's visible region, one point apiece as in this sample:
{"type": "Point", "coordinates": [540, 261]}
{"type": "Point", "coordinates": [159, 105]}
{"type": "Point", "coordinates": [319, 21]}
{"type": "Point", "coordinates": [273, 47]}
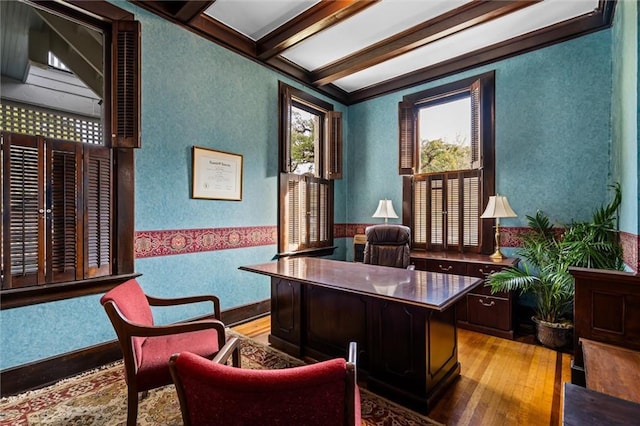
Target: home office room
{"type": "Point", "coordinates": [405, 192]}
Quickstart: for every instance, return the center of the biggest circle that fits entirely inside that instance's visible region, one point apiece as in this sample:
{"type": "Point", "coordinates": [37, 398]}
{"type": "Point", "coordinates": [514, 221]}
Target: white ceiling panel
{"type": "Point", "coordinates": [257, 18]}
{"type": "Point", "coordinates": [370, 26]}
{"type": "Point", "coordinates": [518, 23]}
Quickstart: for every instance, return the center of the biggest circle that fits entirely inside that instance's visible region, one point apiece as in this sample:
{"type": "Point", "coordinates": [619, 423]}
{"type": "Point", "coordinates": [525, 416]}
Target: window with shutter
{"type": "Point", "coordinates": [310, 159]}
{"type": "Point", "coordinates": [452, 166]}
{"type": "Point", "coordinates": [62, 223]}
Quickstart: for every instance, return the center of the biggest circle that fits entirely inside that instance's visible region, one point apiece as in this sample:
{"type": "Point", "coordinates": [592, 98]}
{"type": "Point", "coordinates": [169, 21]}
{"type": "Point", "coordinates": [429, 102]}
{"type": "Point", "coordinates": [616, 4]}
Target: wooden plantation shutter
{"type": "Point", "coordinates": [97, 162]}
{"type": "Point", "coordinates": [407, 156]}
{"type": "Point", "coordinates": [333, 163]}
{"type": "Point", "coordinates": [446, 211]}
{"type": "Point", "coordinates": [285, 128]}
{"type": "Point", "coordinates": [23, 207]}
{"type": "Point", "coordinates": [125, 104]}
{"type": "Point", "coordinates": [64, 211]}
{"type": "Point", "coordinates": [471, 209]}
{"type": "Point", "coordinates": [420, 223]}
{"type": "Point", "coordinates": [476, 160]}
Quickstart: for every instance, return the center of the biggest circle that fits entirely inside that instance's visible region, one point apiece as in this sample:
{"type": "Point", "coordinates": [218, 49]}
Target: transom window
{"type": "Point", "coordinates": [446, 151]}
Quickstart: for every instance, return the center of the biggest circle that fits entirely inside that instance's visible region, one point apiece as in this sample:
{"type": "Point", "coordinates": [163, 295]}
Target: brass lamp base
{"type": "Point", "coordinates": [497, 255]}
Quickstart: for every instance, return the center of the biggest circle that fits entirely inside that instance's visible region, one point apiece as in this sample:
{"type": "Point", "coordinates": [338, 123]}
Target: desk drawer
{"type": "Point", "coordinates": [489, 311]}
{"type": "Point", "coordinates": [446, 267]}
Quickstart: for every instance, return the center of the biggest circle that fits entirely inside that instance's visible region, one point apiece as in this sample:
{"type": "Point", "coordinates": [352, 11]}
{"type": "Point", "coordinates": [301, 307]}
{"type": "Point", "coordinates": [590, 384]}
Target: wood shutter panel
{"type": "Point", "coordinates": [125, 104]}
{"type": "Point", "coordinates": [23, 210]}
{"type": "Point", "coordinates": [407, 155]}
{"type": "Point", "coordinates": [64, 218]}
{"type": "Point", "coordinates": [476, 160]}
{"type": "Point", "coordinates": [420, 215]}
{"type": "Point", "coordinates": [285, 128]}
{"type": "Point", "coordinates": [333, 163]}
{"type": "Point", "coordinates": [97, 163]}
{"type": "Point", "coordinates": [471, 194]}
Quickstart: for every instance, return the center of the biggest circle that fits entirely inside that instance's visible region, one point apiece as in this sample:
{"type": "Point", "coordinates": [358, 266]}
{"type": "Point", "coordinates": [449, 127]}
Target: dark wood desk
{"type": "Point", "coordinates": [404, 321]}
{"type": "Point", "coordinates": [585, 407]}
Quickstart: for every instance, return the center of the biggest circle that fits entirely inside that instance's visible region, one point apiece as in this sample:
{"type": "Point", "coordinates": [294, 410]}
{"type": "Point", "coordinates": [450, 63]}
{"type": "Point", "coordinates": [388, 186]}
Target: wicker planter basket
{"type": "Point", "coordinates": [553, 335]}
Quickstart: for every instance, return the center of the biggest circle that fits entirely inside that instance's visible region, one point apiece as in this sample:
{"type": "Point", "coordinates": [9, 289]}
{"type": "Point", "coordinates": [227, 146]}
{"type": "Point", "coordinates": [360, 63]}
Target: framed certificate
{"type": "Point", "coordinates": [217, 175]}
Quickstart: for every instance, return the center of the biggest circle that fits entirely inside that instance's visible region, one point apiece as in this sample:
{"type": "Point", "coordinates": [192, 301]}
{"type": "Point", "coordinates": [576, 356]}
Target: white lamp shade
{"type": "Point", "coordinates": [498, 206]}
{"type": "Point", "coordinates": [385, 210]}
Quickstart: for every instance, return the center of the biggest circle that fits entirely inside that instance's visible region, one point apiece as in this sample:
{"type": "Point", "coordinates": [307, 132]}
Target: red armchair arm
{"type": "Point", "coordinates": [157, 301]}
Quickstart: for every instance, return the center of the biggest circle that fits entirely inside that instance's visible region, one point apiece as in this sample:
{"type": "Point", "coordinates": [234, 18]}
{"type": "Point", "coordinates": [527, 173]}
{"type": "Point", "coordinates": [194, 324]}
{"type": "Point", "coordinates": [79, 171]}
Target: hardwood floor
{"type": "Point", "coordinates": [501, 382]}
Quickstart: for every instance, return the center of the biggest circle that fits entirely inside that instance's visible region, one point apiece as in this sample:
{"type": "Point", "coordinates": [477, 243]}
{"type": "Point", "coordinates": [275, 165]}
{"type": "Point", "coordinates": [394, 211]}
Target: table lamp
{"type": "Point", "coordinates": [497, 207]}
{"type": "Point", "coordinates": [385, 210]}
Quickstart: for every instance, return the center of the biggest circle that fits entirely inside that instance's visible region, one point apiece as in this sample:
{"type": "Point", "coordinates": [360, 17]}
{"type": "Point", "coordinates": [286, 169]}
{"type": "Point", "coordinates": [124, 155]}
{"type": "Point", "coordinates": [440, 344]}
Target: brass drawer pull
{"type": "Point", "coordinates": [448, 268]}
{"type": "Point", "coordinates": [486, 274]}
{"type": "Point", "coordinates": [492, 303]}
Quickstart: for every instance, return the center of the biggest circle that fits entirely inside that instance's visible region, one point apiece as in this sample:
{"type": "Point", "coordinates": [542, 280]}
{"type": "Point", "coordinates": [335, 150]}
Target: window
{"type": "Point", "coordinates": [310, 159]}
{"type": "Point", "coordinates": [67, 225]}
{"type": "Point", "coordinates": [446, 149]}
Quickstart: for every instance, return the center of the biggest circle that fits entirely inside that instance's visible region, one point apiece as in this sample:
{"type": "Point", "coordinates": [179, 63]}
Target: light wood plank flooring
{"type": "Point", "coordinates": [502, 382]}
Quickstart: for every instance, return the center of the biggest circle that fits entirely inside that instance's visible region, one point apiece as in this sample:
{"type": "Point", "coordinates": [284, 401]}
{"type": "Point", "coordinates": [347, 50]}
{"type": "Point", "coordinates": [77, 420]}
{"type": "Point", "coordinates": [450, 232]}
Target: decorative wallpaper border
{"type": "Point", "coordinates": [181, 241]}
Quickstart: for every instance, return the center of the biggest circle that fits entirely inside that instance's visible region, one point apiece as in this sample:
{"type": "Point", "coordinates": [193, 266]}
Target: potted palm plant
{"type": "Point", "coordinates": [549, 254]}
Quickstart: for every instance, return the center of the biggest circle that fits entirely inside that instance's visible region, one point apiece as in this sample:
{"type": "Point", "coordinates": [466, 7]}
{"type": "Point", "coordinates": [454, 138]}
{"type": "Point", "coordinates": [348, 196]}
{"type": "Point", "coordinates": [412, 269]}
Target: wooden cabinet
{"type": "Point", "coordinates": [479, 310]}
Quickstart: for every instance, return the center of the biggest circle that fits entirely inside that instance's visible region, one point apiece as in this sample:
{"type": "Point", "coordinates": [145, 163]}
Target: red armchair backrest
{"type": "Point", "coordinates": [132, 303]}
{"type": "Point", "coordinates": [215, 394]}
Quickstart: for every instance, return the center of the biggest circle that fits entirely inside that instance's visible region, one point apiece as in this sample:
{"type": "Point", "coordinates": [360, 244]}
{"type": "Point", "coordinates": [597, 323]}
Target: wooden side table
{"type": "Point", "coordinates": [584, 407]}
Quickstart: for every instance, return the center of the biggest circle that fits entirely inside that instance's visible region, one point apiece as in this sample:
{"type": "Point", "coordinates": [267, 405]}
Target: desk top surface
{"type": "Point", "coordinates": [428, 289]}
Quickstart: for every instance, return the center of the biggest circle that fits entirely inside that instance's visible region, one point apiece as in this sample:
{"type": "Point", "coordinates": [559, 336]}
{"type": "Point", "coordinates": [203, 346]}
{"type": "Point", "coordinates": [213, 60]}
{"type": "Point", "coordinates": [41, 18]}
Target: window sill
{"type": "Point", "coordinates": [25, 296]}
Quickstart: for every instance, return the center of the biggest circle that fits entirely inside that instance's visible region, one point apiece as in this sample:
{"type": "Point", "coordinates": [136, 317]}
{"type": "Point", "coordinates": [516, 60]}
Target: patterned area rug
{"type": "Point", "coordinates": [99, 398]}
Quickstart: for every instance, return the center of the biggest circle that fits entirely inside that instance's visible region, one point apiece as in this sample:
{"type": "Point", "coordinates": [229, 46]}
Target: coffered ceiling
{"type": "Point", "coordinates": [354, 50]}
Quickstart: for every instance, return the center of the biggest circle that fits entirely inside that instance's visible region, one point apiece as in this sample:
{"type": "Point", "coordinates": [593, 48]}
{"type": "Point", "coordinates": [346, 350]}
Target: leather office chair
{"type": "Point", "coordinates": [146, 348]}
{"type": "Point", "coordinates": [387, 245]}
{"type": "Point", "coordinates": [212, 393]}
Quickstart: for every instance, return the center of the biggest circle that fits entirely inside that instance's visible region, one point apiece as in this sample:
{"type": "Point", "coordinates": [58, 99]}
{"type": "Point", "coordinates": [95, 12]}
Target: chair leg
{"type": "Point", "coordinates": [132, 407]}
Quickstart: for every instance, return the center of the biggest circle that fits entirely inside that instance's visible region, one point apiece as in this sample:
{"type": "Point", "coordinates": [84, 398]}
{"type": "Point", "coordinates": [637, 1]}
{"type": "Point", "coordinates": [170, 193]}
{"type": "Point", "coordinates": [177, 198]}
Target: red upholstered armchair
{"type": "Point", "coordinates": [146, 348]}
{"type": "Point", "coordinates": [215, 394]}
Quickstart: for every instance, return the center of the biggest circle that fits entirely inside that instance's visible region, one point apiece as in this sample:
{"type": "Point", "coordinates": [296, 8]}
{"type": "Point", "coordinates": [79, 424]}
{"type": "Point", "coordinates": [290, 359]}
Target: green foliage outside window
{"type": "Point", "coordinates": [303, 142]}
{"type": "Point", "coordinates": [440, 156]}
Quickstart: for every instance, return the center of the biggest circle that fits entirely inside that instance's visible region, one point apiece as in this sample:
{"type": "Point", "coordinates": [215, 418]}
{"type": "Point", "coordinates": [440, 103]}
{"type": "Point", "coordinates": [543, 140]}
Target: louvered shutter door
{"type": "Point", "coordinates": [333, 158]}
{"type": "Point", "coordinates": [292, 213]}
{"type": "Point", "coordinates": [472, 209]}
{"type": "Point", "coordinates": [65, 218]}
{"type": "Point", "coordinates": [23, 210]}
{"type": "Point", "coordinates": [453, 211]}
{"type": "Point", "coordinates": [436, 190]}
{"type": "Point", "coordinates": [420, 213]}
{"type": "Point", "coordinates": [313, 217]}
{"type": "Point", "coordinates": [476, 160]}
{"type": "Point", "coordinates": [125, 108]}
{"type": "Point", "coordinates": [406, 144]}
{"type": "Point", "coordinates": [97, 163]}
{"type": "Point", "coordinates": [323, 213]}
